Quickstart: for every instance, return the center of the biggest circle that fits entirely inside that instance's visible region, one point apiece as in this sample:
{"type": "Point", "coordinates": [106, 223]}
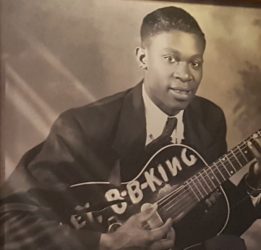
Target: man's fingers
{"type": "Point", "coordinates": [255, 169]}
{"type": "Point", "coordinates": [164, 244]}
{"type": "Point", "coordinates": [160, 232]}
{"type": "Point", "coordinates": [255, 149]}
{"type": "Point", "coordinates": [171, 234]}
{"type": "Point", "coordinates": [147, 213]}
{"type": "Point", "coordinates": [256, 143]}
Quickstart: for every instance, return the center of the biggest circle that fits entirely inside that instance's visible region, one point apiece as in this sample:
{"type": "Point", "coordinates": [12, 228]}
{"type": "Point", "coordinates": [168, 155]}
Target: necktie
{"type": "Point", "coordinates": [164, 138]}
{"type": "Point", "coordinates": [169, 127]}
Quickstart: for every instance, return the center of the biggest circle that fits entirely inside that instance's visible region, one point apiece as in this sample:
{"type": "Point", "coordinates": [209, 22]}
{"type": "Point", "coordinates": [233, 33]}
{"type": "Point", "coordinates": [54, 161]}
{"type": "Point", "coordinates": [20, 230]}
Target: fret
{"type": "Point", "coordinates": [191, 191]}
{"type": "Point", "coordinates": [230, 166]}
{"type": "Point", "coordinates": [214, 177]}
{"type": "Point", "coordinates": [241, 157]}
{"type": "Point", "coordinates": [200, 186]}
{"type": "Point", "coordinates": [177, 209]}
{"type": "Point", "coordinates": [194, 179]}
{"type": "Point", "coordinates": [218, 170]}
{"type": "Point", "coordinates": [242, 153]}
{"type": "Point", "coordinates": [202, 181]}
{"type": "Point", "coordinates": [209, 181]}
{"type": "Point", "coordinates": [239, 163]}
{"type": "Point", "coordinates": [224, 167]}
{"type": "Point", "coordinates": [190, 183]}
{"type": "Point", "coordinates": [231, 163]}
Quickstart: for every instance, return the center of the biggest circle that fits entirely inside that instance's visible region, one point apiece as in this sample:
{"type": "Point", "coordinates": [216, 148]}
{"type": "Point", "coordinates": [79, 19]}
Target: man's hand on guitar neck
{"type": "Point", "coordinates": [253, 178]}
{"type": "Point", "coordinates": [133, 234]}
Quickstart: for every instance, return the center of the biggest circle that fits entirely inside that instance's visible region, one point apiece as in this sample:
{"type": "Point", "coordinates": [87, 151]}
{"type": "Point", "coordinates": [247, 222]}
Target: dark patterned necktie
{"type": "Point", "coordinates": [164, 138]}
{"type": "Point", "coordinates": [170, 125]}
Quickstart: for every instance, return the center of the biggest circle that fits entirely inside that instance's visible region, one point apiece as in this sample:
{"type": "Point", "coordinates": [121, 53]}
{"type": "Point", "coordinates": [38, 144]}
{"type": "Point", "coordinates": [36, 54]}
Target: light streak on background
{"type": "Point", "coordinates": [32, 106]}
{"type": "Point", "coordinates": [54, 62]}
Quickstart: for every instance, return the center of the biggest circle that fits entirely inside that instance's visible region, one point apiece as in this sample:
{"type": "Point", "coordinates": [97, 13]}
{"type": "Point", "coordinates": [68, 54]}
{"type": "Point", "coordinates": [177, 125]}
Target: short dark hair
{"type": "Point", "coordinates": [167, 19]}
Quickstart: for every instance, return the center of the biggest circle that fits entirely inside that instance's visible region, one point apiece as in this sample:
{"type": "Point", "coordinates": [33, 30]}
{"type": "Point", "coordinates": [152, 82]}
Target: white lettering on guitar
{"type": "Point", "coordinates": [114, 195]}
{"type": "Point", "coordinates": [134, 191]}
{"type": "Point", "coordinates": [152, 180]}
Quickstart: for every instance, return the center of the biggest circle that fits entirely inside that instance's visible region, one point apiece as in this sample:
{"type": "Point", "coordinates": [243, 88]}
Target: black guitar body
{"type": "Point", "coordinates": [167, 181]}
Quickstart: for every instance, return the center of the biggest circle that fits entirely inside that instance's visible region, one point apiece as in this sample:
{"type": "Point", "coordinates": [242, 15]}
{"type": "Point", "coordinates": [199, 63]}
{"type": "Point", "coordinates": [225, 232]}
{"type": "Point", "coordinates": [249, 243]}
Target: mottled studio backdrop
{"type": "Point", "coordinates": [64, 53]}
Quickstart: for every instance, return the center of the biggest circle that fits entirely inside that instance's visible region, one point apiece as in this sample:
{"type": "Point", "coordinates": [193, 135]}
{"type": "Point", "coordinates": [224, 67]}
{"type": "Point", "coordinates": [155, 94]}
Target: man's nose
{"type": "Point", "coordinates": [182, 72]}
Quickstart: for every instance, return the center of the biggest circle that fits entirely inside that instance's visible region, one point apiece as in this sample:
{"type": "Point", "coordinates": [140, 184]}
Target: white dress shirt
{"type": "Point", "coordinates": [156, 120]}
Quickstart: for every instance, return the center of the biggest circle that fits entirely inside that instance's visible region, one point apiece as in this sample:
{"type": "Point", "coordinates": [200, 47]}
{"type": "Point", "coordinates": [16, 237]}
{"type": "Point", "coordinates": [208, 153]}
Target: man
{"type": "Point", "coordinates": [107, 140]}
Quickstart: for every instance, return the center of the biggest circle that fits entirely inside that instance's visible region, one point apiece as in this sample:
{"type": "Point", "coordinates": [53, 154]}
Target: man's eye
{"type": "Point", "coordinates": [196, 65]}
{"type": "Point", "coordinates": [170, 59]}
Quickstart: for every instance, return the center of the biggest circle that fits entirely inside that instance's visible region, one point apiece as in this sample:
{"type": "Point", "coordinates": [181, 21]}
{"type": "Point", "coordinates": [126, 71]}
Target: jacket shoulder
{"type": "Point", "coordinates": [206, 108]}
{"type": "Point", "coordinates": [107, 103]}
{"type": "Point", "coordinates": [95, 119]}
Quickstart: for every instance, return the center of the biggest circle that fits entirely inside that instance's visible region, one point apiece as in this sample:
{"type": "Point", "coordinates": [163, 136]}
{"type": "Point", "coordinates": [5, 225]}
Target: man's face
{"type": "Point", "coordinates": [173, 69]}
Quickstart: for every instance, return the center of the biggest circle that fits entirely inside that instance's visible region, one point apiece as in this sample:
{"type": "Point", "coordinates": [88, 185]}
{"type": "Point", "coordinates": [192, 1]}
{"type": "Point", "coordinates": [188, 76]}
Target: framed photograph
{"type": "Point", "coordinates": [62, 54]}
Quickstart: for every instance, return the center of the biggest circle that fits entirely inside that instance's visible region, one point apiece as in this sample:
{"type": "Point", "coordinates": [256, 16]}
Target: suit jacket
{"type": "Point", "coordinates": [84, 144]}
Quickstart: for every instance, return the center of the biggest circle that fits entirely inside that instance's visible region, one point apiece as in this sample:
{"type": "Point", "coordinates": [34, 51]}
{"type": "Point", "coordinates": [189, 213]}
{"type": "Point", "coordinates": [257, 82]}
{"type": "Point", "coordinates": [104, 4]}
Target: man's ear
{"type": "Point", "coordinates": [141, 57]}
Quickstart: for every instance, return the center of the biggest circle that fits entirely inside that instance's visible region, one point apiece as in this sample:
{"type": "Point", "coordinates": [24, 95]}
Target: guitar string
{"type": "Point", "coordinates": [177, 201]}
{"type": "Point", "coordinates": [183, 205]}
{"type": "Point", "coordinates": [183, 187]}
{"type": "Point", "coordinates": [176, 215]}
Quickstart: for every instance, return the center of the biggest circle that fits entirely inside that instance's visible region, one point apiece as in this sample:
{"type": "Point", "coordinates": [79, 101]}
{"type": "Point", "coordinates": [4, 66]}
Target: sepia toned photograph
{"type": "Point", "coordinates": [130, 125]}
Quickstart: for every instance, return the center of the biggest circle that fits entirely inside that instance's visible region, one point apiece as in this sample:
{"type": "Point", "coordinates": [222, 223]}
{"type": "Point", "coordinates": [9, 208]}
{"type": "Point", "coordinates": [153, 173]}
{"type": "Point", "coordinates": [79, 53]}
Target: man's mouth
{"type": "Point", "coordinates": [182, 91]}
{"type": "Point", "coordinates": [182, 94]}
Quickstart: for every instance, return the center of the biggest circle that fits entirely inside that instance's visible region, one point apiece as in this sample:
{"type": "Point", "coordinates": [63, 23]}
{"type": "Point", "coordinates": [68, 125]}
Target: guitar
{"type": "Point", "coordinates": [178, 181]}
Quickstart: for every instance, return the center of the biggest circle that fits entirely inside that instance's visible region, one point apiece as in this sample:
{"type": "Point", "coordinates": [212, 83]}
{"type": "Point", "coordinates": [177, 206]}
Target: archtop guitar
{"type": "Point", "coordinates": [178, 181]}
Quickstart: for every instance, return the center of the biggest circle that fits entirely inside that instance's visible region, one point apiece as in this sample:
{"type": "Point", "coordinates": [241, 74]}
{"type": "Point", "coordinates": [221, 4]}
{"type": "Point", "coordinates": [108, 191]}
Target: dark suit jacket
{"type": "Point", "coordinates": [83, 145]}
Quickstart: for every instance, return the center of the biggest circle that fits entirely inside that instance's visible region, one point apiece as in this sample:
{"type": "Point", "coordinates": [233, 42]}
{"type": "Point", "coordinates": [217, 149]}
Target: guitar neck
{"type": "Point", "coordinates": [208, 179]}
